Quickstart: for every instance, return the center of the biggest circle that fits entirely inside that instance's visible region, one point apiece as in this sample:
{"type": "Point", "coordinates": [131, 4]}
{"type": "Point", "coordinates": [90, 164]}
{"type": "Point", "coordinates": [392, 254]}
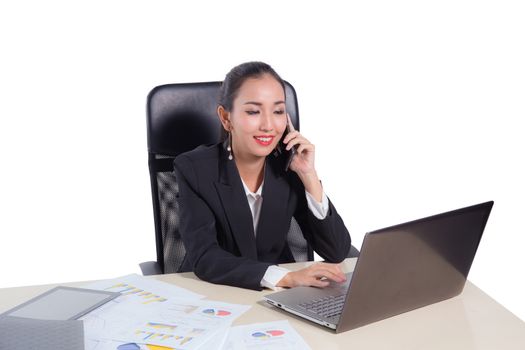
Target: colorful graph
{"type": "Point", "coordinates": [170, 327]}
{"type": "Point", "coordinates": [267, 334]}
{"type": "Point", "coordinates": [149, 336]}
{"type": "Point", "coordinates": [130, 346]}
{"type": "Point", "coordinates": [187, 309]}
{"type": "Point", "coordinates": [215, 312]}
{"type": "Point", "coordinates": [128, 289]}
{"type": "Point", "coordinates": [185, 340]}
{"type": "Point", "coordinates": [196, 331]}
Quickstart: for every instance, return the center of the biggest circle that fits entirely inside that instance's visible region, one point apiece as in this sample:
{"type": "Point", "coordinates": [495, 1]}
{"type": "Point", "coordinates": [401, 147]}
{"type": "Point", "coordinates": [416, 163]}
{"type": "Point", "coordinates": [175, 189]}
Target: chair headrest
{"type": "Point", "coordinates": [181, 117]}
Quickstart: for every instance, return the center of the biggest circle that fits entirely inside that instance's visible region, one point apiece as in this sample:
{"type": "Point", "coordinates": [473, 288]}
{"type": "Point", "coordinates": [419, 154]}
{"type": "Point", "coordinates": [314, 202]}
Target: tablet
{"type": "Point", "coordinates": [62, 303]}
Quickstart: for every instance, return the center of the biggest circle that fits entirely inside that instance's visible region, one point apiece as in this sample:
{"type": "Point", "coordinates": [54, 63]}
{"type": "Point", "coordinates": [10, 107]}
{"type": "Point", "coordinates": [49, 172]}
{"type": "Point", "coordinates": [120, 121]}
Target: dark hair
{"type": "Point", "coordinates": [235, 78]}
{"type": "Point", "coordinates": [238, 75]}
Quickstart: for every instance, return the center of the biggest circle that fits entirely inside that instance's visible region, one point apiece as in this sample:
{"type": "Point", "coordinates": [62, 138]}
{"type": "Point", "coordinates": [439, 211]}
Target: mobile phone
{"type": "Point", "coordinates": [288, 154]}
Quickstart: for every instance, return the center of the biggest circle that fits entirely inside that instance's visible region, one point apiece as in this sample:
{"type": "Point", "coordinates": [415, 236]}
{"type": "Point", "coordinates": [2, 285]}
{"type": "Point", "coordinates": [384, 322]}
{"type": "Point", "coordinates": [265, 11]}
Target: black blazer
{"type": "Point", "coordinates": [216, 222]}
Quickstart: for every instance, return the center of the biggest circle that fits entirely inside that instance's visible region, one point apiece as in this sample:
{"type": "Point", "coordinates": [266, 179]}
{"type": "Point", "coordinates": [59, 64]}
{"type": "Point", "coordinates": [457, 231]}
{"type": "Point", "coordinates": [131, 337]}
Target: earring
{"type": "Point", "coordinates": [229, 148]}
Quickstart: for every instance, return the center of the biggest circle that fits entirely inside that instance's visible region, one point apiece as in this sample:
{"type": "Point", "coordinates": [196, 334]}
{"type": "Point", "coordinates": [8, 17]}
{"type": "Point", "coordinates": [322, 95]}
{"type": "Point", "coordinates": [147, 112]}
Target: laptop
{"type": "Point", "coordinates": [400, 268]}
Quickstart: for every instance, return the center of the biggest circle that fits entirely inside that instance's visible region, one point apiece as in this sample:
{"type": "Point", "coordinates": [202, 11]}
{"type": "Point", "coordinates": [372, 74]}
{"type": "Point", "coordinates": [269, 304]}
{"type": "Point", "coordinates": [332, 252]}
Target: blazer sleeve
{"type": "Point", "coordinates": [329, 236]}
{"type": "Point", "coordinates": [198, 230]}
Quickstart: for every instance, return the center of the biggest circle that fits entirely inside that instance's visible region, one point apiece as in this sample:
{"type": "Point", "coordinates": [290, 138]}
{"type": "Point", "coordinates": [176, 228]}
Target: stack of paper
{"type": "Point", "coordinates": [156, 315]}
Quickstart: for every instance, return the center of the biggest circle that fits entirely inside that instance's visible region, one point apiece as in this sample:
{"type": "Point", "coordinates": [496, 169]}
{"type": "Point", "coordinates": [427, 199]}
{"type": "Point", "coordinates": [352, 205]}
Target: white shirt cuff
{"type": "Point", "coordinates": [272, 276]}
{"type": "Point", "coordinates": [320, 210]}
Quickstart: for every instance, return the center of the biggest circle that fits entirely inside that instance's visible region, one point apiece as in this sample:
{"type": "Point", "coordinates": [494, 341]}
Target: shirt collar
{"type": "Point", "coordinates": [256, 194]}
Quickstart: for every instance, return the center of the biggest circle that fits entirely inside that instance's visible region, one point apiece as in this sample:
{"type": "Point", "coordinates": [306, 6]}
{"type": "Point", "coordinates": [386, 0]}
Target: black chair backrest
{"type": "Point", "coordinates": [181, 117]}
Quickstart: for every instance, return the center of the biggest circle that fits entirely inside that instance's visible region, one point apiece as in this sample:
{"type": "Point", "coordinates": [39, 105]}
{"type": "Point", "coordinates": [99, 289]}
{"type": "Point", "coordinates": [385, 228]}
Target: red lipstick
{"type": "Point", "coordinates": [264, 140]}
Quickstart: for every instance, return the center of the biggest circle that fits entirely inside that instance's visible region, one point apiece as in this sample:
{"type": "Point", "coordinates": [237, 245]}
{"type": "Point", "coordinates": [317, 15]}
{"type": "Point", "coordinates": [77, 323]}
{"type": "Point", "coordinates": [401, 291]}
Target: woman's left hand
{"type": "Point", "coordinates": [303, 162]}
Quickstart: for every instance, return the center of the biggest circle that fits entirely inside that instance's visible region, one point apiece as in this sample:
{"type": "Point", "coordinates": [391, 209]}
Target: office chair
{"type": "Point", "coordinates": [181, 117]}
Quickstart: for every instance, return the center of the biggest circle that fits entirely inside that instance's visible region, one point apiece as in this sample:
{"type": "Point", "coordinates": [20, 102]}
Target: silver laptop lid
{"type": "Point", "coordinates": [414, 264]}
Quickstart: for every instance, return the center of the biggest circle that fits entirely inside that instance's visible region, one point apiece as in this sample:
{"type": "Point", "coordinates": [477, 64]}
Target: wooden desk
{"type": "Point", "coordinates": [471, 320]}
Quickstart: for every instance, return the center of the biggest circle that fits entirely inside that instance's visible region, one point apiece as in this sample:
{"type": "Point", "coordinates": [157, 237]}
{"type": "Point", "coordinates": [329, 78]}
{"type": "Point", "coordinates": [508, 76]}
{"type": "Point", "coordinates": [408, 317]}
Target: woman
{"type": "Point", "coordinates": [237, 200]}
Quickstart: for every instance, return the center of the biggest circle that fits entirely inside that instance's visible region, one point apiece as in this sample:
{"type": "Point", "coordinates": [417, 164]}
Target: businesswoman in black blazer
{"type": "Point", "coordinates": [237, 200]}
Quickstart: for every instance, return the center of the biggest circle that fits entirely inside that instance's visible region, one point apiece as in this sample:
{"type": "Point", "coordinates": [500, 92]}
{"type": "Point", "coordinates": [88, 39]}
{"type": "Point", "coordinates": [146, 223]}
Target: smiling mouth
{"type": "Point", "coordinates": [264, 140]}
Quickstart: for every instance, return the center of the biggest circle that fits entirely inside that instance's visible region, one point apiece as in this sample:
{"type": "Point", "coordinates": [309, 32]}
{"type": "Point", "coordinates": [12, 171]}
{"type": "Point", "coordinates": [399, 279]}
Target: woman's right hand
{"type": "Point", "coordinates": [316, 275]}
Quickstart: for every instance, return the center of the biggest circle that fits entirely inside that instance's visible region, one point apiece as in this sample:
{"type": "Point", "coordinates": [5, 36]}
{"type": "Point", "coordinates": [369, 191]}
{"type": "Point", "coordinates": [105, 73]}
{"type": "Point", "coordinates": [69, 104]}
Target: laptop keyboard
{"type": "Point", "coordinates": [327, 307]}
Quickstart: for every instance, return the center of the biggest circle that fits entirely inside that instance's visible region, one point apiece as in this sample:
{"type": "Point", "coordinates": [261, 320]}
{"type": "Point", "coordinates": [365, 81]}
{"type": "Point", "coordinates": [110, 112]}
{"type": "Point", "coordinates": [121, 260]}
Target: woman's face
{"type": "Point", "coordinates": [258, 117]}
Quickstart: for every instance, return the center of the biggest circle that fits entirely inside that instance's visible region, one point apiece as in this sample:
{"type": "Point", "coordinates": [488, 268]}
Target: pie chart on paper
{"type": "Point", "coordinates": [275, 333]}
{"type": "Point", "coordinates": [215, 312]}
{"type": "Point", "coordinates": [133, 346]}
{"type": "Point", "coordinates": [267, 334]}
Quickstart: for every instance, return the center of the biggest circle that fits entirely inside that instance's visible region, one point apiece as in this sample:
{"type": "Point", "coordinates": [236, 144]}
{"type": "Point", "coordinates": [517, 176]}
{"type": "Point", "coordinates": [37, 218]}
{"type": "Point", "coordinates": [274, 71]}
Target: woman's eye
{"type": "Point", "coordinates": [279, 112]}
{"type": "Point", "coordinates": [252, 112]}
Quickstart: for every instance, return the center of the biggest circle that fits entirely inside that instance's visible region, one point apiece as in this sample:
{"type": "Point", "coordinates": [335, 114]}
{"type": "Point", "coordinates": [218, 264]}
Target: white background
{"type": "Point", "coordinates": [414, 106]}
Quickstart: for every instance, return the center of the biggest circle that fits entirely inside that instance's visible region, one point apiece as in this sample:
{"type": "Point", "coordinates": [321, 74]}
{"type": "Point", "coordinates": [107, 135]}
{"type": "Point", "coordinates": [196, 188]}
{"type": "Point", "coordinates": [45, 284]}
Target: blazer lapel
{"type": "Point", "coordinates": [273, 226]}
{"type": "Point", "coordinates": [235, 204]}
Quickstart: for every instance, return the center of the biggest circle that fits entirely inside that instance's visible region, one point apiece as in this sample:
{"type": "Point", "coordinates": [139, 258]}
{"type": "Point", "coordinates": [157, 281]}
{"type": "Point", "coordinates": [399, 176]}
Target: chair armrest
{"type": "Point", "coordinates": [150, 268]}
{"type": "Point", "coordinates": [353, 253]}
